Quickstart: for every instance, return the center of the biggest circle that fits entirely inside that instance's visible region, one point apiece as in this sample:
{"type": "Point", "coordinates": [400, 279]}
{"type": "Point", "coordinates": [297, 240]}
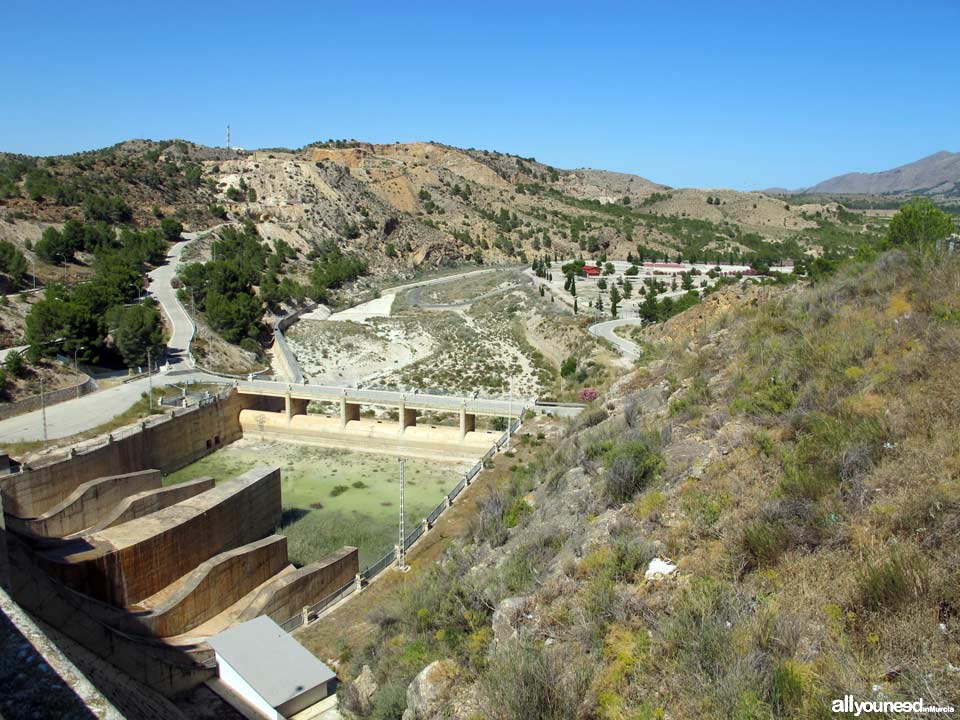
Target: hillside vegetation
{"type": "Point", "coordinates": [298, 224]}
{"type": "Point", "coordinates": [792, 449]}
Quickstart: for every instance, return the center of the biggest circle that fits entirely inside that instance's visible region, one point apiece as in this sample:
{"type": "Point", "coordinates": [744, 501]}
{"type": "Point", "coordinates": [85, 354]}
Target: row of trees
{"type": "Point", "coordinates": [61, 246]}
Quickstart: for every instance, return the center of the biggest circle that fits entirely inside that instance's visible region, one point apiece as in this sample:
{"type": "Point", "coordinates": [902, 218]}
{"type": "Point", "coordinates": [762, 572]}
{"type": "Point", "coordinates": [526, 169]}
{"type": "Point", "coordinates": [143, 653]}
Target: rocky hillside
{"type": "Point", "coordinates": [937, 175]}
{"type": "Point", "coordinates": [338, 219]}
{"type": "Point", "coordinates": [760, 518]}
{"type": "Point", "coordinates": [411, 205]}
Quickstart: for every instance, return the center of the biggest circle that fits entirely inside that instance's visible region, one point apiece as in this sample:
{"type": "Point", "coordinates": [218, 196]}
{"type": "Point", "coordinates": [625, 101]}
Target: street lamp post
{"type": "Point", "coordinates": [401, 546]}
{"type": "Point", "coordinates": [43, 412]}
{"type": "Point", "coordinates": [509, 412]}
{"type": "Point", "coordinates": [76, 367]}
{"type": "Point", "coordinates": [149, 383]}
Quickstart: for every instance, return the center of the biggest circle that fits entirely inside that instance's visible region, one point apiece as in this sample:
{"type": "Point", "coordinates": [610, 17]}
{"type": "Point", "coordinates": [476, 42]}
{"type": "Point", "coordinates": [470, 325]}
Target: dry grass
{"type": "Point", "coordinates": [819, 552]}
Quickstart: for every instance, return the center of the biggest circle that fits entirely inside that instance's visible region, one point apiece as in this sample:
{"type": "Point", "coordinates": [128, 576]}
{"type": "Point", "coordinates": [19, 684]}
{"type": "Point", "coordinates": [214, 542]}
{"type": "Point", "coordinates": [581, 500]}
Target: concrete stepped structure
{"type": "Point", "coordinates": [88, 504]}
{"type": "Point", "coordinates": [150, 501]}
{"type": "Point", "coordinates": [141, 575]}
{"type": "Point", "coordinates": [166, 442]}
{"type": "Point", "coordinates": [281, 598]}
{"type": "Point", "coordinates": [126, 563]}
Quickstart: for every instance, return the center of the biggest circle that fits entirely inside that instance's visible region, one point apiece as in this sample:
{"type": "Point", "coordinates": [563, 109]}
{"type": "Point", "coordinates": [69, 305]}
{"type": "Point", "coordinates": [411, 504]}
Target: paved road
{"type": "Point", "coordinates": [85, 413]}
{"type": "Point", "coordinates": [181, 324]}
{"type": "Point", "coordinates": [605, 330]}
{"type": "Point", "coordinates": [79, 415]}
{"type": "Point", "coordinates": [7, 351]}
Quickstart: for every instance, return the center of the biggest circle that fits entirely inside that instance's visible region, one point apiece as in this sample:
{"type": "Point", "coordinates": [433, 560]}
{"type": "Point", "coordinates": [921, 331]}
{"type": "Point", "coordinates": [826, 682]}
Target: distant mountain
{"type": "Point", "coordinates": [936, 175]}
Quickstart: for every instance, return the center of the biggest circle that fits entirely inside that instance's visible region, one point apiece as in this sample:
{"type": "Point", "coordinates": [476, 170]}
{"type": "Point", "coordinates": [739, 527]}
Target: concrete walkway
{"type": "Point", "coordinates": [605, 330]}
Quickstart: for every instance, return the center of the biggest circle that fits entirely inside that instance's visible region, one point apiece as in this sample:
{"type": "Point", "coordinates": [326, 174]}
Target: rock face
{"type": "Point", "coordinates": [429, 695]}
{"type": "Point", "coordinates": [366, 687]}
{"type": "Point", "coordinates": [506, 616]}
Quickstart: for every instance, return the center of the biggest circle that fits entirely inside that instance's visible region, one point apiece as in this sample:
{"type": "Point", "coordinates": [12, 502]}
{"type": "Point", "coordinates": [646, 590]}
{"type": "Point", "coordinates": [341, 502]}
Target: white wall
{"type": "Point", "coordinates": [232, 678]}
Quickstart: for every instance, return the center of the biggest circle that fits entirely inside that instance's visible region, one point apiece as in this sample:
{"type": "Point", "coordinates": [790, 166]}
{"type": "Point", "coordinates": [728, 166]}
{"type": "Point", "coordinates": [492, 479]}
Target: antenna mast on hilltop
{"type": "Point", "coordinates": [228, 137]}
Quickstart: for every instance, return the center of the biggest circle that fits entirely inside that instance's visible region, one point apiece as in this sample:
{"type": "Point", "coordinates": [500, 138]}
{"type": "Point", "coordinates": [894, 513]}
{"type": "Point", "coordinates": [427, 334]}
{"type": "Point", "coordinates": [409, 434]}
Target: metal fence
{"type": "Point", "coordinates": [379, 566]}
{"type": "Point", "coordinates": [436, 512]}
{"type": "Point", "coordinates": [387, 560]}
{"type": "Point", "coordinates": [457, 489]}
{"type": "Point", "coordinates": [317, 608]}
{"type": "Point", "coordinates": [413, 536]}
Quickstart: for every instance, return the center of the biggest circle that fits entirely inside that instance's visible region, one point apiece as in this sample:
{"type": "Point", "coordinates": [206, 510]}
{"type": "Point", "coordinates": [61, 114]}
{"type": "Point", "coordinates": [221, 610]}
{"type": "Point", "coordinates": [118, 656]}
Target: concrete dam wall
{"type": "Point", "coordinates": [166, 443]}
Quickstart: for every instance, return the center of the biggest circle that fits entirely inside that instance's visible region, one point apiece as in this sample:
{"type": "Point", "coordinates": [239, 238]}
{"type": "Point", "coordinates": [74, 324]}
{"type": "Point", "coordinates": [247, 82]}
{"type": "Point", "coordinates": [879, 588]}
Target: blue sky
{"type": "Point", "coordinates": [711, 94]}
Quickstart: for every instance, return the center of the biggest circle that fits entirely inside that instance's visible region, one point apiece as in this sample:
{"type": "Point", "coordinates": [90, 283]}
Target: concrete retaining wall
{"type": "Point", "coordinates": [166, 443]}
{"type": "Point", "coordinates": [88, 504]}
{"type": "Point", "coordinates": [9, 410]}
{"type": "Point", "coordinates": [213, 587]}
{"type": "Point", "coordinates": [288, 594]}
{"type": "Point", "coordinates": [150, 501]}
{"type": "Point", "coordinates": [126, 563]}
{"type": "Point", "coordinates": [167, 669]}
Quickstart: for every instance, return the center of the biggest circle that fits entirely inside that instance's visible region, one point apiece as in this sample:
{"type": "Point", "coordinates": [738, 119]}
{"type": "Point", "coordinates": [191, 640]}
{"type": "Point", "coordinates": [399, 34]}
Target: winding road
{"type": "Point", "coordinates": [605, 330]}
{"type": "Point", "coordinates": [182, 327]}
{"type": "Point", "coordinates": [85, 413]}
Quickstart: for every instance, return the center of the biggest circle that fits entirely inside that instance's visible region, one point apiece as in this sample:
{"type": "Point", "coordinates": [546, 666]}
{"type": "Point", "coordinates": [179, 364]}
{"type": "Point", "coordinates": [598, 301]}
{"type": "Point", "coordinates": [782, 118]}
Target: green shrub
{"type": "Point", "coordinates": [524, 681]}
{"type": "Point", "coordinates": [15, 365]}
{"type": "Point", "coordinates": [698, 634]}
{"type": "Point", "coordinates": [773, 396]}
{"type": "Point", "coordinates": [389, 702]}
{"type": "Point", "coordinates": [762, 542]}
{"type": "Point", "coordinates": [518, 510]}
{"type": "Point", "coordinates": [630, 466]}
{"type": "Point", "coordinates": [789, 687]}
{"type": "Point", "coordinates": [338, 490]}
{"type": "Point", "coordinates": [890, 581]}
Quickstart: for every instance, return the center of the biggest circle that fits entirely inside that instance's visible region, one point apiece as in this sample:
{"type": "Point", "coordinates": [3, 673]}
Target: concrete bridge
{"type": "Point", "coordinates": [408, 405]}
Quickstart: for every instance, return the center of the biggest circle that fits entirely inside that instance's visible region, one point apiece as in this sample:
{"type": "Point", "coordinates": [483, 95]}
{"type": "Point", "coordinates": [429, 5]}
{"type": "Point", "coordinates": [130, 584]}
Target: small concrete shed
{"type": "Point", "coordinates": [269, 669]}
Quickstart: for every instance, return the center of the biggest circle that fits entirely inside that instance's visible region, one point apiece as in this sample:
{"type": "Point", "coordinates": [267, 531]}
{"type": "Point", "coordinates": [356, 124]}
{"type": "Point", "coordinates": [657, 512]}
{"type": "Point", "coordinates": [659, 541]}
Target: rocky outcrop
{"type": "Point", "coordinates": [365, 686]}
{"type": "Point", "coordinates": [507, 617]}
{"type": "Point", "coordinates": [429, 695]}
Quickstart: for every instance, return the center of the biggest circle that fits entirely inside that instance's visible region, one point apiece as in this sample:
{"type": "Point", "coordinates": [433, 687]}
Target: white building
{"type": "Point", "coordinates": [269, 670]}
